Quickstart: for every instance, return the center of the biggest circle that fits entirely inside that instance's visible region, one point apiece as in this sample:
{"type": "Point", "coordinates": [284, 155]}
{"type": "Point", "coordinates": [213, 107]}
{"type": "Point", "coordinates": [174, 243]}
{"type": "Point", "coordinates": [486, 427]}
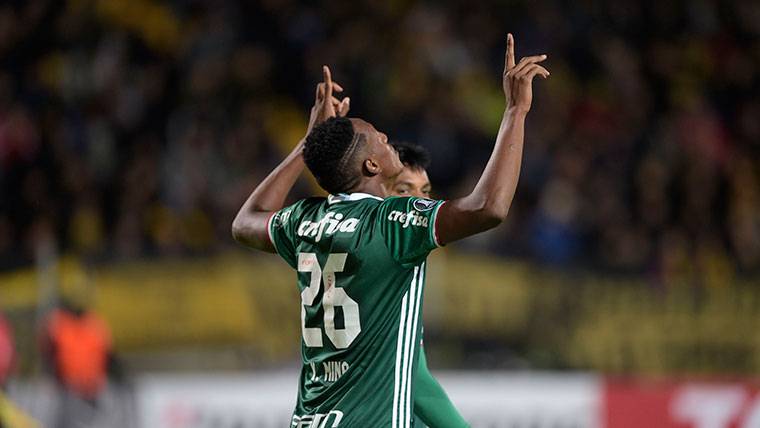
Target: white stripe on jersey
{"type": "Point", "coordinates": [408, 351]}
{"type": "Point", "coordinates": [414, 339]}
{"type": "Point", "coordinates": [396, 376]}
{"type": "Point", "coordinates": [405, 353]}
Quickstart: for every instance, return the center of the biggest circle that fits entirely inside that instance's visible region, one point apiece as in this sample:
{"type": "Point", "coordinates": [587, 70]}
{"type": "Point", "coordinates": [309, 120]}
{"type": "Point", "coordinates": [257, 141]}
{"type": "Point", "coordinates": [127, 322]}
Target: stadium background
{"type": "Point", "coordinates": [132, 130]}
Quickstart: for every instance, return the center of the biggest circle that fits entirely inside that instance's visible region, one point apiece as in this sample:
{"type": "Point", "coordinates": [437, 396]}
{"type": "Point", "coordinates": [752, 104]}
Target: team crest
{"type": "Point", "coordinates": [423, 204]}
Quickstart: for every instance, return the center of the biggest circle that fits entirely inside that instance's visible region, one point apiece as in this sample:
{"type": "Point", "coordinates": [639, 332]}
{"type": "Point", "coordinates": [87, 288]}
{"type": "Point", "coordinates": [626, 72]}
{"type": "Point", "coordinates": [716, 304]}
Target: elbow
{"type": "Point", "coordinates": [486, 212]}
{"type": "Point", "coordinates": [494, 214]}
{"type": "Point", "coordinates": [250, 230]}
{"type": "Point", "coordinates": [238, 230]}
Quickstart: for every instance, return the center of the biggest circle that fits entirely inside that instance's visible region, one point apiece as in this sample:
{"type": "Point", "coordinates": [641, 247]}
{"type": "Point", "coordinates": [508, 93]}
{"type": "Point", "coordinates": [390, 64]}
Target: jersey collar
{"type": "Point", "coordinates": [346, 197]}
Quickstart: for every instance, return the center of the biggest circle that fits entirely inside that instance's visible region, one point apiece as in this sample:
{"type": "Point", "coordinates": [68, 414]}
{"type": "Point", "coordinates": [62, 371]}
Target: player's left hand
{"type": "Point", "coordinates": [517, 79]}
{"type": "Point", "coordinates": [326, 105]}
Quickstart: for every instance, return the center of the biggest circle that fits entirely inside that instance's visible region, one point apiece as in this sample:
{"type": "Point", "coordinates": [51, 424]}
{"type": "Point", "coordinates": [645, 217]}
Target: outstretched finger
{"type": "Point", "coordinates": [337, 87]}
{"type": "Point", "coordinates": [328, 81]}
{"type": "Point", "coordinates": [528, 60]}
{"type": "Point", "coordinates": [509, 60]}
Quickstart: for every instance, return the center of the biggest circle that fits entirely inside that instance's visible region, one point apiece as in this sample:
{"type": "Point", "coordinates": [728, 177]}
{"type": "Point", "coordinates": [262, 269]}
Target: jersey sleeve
{"type": "Point", "coordinates": [282, 232]}
{"type": "Point", "coordinates": [408, 227]}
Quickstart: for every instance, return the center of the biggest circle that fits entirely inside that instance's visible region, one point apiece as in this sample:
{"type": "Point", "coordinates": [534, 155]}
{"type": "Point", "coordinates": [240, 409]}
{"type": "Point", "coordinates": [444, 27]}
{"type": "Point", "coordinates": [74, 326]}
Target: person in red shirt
{"type": "Point", "coordinates": [77, 345]}
{"type": "Point", "coordinates": [6, 350]}
{"type": "Point", "coordinates": [80, 343]}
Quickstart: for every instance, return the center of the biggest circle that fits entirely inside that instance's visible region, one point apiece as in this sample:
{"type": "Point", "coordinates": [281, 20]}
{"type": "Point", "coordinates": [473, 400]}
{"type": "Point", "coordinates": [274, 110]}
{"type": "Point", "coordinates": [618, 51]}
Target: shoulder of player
{"type": "Point", "coordinates": [395, 202]}
{"type": "Point", "coordinates": [408, 211]}
{"type": "Point", "coordinates": [293, 212]}
{"type": "Point", "coordinates": [307, 204]}
{"type": "Point", "coordinates": [409, 203]}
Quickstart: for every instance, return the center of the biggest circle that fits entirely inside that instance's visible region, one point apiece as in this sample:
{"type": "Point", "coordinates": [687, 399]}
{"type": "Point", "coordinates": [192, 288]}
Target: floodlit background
{"type": "Point", "coordinates": [627, 276]}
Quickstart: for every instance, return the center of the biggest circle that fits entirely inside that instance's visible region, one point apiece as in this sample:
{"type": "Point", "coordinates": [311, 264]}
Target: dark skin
{"type": "Point", "coordinates": [488, 203]}
{"type": "Point", "coordinates": [250, 225]}
{"type": "Point", "coordinates": [378, 164]}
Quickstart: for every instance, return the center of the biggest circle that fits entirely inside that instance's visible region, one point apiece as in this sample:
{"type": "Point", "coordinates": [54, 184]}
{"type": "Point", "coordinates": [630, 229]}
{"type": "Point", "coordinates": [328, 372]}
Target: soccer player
{"type": "Point", "coordinates": [361, 258]}
{"type": "Point", "coordinates": [413, 180]}
{"type": "Point", "coordinates": [431, 404]}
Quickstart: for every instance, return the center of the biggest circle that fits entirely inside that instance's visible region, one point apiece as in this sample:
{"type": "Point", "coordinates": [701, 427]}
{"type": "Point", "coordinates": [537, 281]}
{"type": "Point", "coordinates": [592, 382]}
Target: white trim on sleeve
{"type": "Point", "coordinates": [269, 231]}
{"type": "Point", "coordinates": [434, 229]}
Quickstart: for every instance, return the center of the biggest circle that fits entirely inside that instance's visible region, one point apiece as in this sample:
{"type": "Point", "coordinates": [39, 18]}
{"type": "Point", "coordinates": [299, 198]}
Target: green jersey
{"type": "Point", "coordinates": [361, 271]}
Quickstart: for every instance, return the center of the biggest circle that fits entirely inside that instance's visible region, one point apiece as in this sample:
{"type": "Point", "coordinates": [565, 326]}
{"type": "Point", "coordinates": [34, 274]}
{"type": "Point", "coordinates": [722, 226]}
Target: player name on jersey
{"type": "Point", "coordinates": [334, 370]}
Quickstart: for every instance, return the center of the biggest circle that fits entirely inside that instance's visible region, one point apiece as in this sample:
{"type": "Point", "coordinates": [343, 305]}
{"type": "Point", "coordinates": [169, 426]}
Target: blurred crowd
{"type": "Point", "coordinates": [136, 128]}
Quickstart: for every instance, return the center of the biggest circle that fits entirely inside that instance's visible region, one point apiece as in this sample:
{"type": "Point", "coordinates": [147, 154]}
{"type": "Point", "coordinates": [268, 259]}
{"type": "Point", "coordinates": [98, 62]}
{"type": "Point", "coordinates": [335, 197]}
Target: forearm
{"type": "Point", "coordinates": [488, 203]}
{"type": "Point", "coordinates": [249, 226]}
{"type": "Point", "coordinates": [495, 190]}
{"type": "Point", "coordinates": [270, 195]}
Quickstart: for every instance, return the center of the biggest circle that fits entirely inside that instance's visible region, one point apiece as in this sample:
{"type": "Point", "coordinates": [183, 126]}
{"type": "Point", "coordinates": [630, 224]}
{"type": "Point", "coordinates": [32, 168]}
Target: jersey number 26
{"type": "Point", "coordinates": [332, 297]}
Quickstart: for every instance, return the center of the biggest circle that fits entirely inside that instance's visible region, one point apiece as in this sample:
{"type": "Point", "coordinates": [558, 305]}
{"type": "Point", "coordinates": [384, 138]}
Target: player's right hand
{"type": "Point", "coordinates": [517, 79]}
{"type": "Point", "coordinates": [326, 105]}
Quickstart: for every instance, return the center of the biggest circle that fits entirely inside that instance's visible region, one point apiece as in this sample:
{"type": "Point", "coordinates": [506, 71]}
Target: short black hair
{"type": "Point", "coordinates": [329, 152]}
{"type": "Point", "coordinates": [412, 155]}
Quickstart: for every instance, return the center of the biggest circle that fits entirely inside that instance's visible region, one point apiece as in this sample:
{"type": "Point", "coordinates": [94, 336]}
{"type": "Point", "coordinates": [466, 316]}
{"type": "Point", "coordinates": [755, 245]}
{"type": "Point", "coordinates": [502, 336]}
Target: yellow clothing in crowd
{"type": "Point", "coordinates": [12, 417]}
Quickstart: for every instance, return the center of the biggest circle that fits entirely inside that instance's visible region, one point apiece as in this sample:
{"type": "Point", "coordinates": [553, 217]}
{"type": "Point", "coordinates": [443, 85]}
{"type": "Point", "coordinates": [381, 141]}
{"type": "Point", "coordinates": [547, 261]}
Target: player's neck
{"type": "Point", "coordinates": [374, 186]}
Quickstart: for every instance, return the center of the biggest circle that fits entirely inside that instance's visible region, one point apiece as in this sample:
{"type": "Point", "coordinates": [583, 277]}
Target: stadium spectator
{"type": "Point", "coordinates": [77, 344]}
{"type": "Point", "coordinates": [132, 138]}
{"type": "Point", "coordinates": [10, 415]}
{"type": "Point", "coordinates": [6, 350]}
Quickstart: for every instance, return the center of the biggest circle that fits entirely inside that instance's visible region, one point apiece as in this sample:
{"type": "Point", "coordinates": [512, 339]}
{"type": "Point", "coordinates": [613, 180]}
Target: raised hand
{"type": "Point", "coordinates": [326, 105]}
{"type": "Point", "coordinates": [517, 79]}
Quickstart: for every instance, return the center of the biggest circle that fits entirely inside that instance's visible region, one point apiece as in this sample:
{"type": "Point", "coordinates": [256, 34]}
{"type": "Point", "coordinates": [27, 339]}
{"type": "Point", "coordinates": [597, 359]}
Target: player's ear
{"type": "Point", "coordinates": [371, 167]}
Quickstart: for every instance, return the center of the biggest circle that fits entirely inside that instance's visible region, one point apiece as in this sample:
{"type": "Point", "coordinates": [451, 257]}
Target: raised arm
{"type": "Point", "coordinates": [488, 203]}
{"type": "Point", "coordinates": [250, 225]}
